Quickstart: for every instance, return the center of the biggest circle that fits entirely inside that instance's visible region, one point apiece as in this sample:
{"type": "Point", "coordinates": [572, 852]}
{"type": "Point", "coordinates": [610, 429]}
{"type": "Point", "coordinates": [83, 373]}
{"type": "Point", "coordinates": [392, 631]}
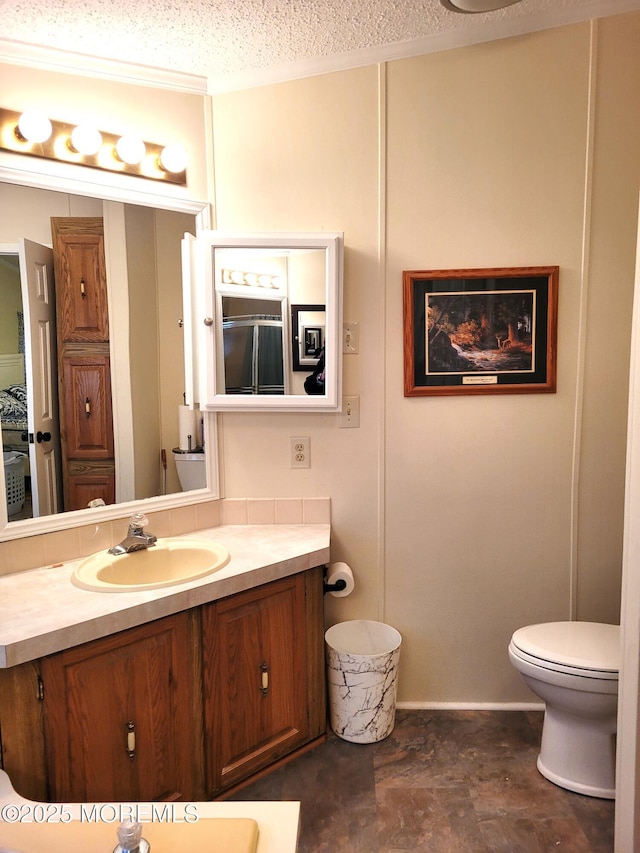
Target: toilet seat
{"type": "Point", "coordinates": [586, 649]}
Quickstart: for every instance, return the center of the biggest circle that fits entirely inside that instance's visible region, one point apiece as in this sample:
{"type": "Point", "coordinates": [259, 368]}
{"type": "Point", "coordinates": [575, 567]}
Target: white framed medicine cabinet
{"type": "Point", "coordinates": [255, 346]}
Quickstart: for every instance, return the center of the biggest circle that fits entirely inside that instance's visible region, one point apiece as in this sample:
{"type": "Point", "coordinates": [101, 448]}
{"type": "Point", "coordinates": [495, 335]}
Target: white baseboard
{"type": "Point", "coordinates": [471, 706]}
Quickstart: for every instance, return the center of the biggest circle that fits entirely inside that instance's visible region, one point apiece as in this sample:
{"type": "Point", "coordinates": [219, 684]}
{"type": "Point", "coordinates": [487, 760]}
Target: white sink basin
{"type": "Point", "coordinates": [168, 562]}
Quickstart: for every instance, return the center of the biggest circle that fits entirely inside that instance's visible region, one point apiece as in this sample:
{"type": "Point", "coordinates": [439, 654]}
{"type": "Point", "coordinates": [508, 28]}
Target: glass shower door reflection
{"type": "Point", "coordinates": [253, 355]}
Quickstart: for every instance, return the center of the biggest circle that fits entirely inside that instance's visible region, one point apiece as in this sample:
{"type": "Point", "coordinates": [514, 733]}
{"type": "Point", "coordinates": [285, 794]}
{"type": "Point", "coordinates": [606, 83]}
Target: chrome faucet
{"type": "Point", "coordinates": [136, 539]}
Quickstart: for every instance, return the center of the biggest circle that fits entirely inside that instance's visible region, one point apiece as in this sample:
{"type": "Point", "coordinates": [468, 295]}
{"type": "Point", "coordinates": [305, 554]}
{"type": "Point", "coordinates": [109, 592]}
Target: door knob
{"type": "Point", "coordinates": [43, 436]}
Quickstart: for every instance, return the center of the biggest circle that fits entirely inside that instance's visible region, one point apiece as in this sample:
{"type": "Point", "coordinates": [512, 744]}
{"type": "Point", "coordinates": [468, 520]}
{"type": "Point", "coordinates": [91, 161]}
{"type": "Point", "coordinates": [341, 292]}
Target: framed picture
{"type": "Point", "coordinates": [307, 332]}
{"type": "Point", "coordinates": [480, 331]}
{"type": "Point", "coordinates": [313, 340]}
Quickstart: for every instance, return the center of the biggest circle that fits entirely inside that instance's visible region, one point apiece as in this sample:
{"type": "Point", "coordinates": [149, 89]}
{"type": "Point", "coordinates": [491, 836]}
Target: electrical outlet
{"type": "Point", "coordinates": [300, 452]}
{"type": "Point", "coordinates": [350, 414]}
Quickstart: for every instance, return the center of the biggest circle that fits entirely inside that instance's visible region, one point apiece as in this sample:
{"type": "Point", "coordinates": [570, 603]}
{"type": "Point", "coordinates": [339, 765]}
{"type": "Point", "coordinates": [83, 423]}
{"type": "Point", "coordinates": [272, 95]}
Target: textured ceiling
{"type": "Point", "coordinates": [246, 39]}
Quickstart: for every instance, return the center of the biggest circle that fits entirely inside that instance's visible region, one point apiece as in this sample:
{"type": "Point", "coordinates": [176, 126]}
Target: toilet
{"type": "Point", "coordinates": [191, 466]}
{"type": "Point", "coordinates": [573, 667]}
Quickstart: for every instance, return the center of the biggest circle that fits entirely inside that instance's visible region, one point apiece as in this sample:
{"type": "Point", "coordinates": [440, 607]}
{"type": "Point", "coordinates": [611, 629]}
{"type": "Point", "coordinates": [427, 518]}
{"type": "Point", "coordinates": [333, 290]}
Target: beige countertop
{"type": "Point", "coordinates": [277, 822]}
{"type": "Point", "coordinates": [41, 612]}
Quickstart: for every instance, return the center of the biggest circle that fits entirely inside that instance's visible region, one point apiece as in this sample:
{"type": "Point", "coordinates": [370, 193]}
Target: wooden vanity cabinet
{"type": "Point", "coordinates": [264, 694]}
{"type": "Point", "coordinates": [118, 719]}
{"type": "Point", "coordinates": [206, 700]}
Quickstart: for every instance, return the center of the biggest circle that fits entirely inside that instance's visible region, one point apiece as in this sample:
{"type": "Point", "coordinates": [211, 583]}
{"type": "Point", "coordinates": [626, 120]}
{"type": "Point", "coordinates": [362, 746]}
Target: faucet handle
{"type": "Point", "coordinates": [138, 521]}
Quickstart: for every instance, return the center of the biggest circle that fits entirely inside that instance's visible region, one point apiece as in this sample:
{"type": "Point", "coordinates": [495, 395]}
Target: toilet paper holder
{"type": "Point", "coordinates": [338, 586]}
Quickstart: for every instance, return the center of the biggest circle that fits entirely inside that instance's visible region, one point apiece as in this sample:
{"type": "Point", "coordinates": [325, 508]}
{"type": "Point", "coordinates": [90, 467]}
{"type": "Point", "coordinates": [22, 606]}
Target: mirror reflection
{"type": "Point", "coordinates": [145, 308]}
{"type": "Point", "coordinates": [254, 286]}
{"type": "Point", "coordinates": [308, 329]}
{"type": "Point", "coordinates": [254, 350]}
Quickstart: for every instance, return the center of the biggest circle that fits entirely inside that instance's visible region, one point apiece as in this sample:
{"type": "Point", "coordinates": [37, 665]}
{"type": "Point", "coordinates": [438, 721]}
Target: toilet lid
{"type": "Point", "coordinates": [591, 646]}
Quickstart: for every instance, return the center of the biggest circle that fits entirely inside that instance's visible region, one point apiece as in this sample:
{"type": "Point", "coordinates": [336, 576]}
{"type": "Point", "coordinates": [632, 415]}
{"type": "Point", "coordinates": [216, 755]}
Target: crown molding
{"type": "Point", "coordinates": [52, 59]}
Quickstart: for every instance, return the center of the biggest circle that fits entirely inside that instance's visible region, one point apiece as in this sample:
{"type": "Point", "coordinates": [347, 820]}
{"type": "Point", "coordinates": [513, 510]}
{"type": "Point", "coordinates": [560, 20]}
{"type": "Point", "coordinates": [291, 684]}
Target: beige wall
{"type": "Point", "coordinates": [144, 349]}
{"type": "Point", "coordinates": [170, 227]}
{"type": "Point", "coordinates": [11, 300]}
{"type": "Point", "coordinates": [463, 518]}
{"type": "Point", "coordinates": [155, 341]}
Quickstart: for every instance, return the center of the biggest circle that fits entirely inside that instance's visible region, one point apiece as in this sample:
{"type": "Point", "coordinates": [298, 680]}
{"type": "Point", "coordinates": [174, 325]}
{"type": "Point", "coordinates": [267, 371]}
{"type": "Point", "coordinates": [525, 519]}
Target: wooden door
{"type": "Point", "coordinates": [118, 716]}
{"type": "Point", "coordinates": [255, 678]}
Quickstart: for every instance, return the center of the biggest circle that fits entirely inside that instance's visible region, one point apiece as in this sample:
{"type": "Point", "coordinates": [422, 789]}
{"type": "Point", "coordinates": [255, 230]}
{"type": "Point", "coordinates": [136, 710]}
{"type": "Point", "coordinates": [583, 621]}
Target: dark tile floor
{"type": "Point", "coordinates": [442, 782]}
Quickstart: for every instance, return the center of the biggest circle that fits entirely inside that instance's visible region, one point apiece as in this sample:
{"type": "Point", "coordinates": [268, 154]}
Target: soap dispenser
{"type": "Point", "coordinates": [130, 839]}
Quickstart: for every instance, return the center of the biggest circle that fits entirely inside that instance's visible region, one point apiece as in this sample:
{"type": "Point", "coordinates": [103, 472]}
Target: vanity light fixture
{"type": "Point", "coordinates": [252, 279]}
{"type": "Point", "coordinates": [476, 6]}
{"type": "Point", "coordinates": [34, 134]}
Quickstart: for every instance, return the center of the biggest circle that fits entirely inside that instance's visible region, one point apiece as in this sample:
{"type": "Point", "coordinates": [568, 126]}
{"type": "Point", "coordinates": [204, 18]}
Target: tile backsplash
{"type": "Point", "coordinates": [17, 555]}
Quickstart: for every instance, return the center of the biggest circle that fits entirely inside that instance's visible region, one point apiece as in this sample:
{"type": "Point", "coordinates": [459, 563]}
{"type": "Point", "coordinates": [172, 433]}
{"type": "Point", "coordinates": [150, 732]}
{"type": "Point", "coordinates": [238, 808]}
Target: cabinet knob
{"type": "Point", "coordinates": [208, 321]}
{"type": "Point", "coordinates": [131, 740]}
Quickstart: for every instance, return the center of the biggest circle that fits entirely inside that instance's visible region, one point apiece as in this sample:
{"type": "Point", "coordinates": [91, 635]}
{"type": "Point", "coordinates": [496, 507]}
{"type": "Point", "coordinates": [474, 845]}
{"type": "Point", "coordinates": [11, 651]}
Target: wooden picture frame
{"type": "Point", "coordinates": [480, 331]}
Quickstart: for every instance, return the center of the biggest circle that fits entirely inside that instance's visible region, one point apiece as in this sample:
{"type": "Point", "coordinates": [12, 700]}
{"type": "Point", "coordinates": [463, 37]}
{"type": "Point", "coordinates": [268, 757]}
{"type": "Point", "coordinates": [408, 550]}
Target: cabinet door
{"type": "Point", "coordinates": [255, 677]}
{"type": "Point", "coordinates": [89, 485]}
{"type": "Point", "coordinates": [88, 423]}
{"type": "Point", "coordinates": [118, 716]}
{"type": "Point", "coordinates": [22, 753]}
{"type": "Point", "coordinates": [81, 289]}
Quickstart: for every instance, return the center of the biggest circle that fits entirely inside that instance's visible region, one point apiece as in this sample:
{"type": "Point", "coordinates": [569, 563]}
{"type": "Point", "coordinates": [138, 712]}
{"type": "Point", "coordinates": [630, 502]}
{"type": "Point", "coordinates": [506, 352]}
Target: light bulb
{"type": "Point", "coordinates": [86, 140]}
{"type": "Point", "coordinates": [173, 158]}
{"type": "Point", "coordinates": [130, 149]}
{"type": "Point", "coordinates": [34, 127]}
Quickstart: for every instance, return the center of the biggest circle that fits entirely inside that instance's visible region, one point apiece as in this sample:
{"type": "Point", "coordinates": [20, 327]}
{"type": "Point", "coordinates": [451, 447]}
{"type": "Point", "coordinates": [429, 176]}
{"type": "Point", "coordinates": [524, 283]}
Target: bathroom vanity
{"type": "Point", "coordinates": [182, 693]}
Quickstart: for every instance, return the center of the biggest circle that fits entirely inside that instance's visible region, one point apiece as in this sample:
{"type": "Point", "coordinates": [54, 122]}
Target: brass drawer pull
{"type": "Point", "coordinates": [131, 740]}
{"type": "Point", "coordinates": [264, 669]}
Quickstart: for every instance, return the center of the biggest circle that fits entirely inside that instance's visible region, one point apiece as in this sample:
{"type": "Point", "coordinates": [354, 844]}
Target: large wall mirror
{"type": "Point", "coordinates": [271, 318]}
{"type": "Point", "coordinates": [149, 319]}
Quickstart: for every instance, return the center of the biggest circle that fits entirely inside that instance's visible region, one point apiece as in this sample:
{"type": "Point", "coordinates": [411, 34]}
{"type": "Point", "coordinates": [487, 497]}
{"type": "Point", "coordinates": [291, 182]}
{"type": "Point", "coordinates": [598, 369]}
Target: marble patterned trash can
{"type": "Point", "coordinates": [362, 674]}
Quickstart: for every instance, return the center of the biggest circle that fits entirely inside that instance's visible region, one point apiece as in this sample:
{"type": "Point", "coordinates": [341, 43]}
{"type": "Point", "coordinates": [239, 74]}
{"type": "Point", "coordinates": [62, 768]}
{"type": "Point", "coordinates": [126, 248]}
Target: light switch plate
{"type": "Point", "coordinates": [350, 414]}
{"type": "Point", "coordinates": [350, 338]}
